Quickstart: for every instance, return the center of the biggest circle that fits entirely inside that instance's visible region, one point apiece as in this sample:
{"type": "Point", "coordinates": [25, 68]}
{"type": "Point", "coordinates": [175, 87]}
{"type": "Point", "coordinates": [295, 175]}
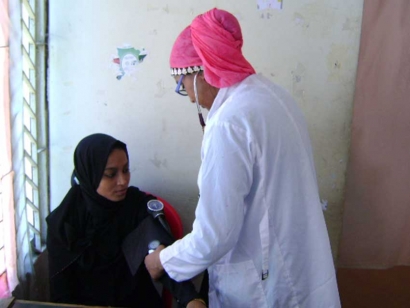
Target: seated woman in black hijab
{"type": "Point", "coordinates": [87, 264]}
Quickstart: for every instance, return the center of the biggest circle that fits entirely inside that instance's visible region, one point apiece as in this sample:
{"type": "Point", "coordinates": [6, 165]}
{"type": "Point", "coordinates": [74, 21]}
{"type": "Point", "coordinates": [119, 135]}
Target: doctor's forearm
{"type": "Point", "coordinates": [193, 254]}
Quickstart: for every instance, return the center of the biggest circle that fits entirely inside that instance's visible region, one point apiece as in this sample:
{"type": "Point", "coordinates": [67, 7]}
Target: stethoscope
{"type": "Point", "coordinates": [201, 118]}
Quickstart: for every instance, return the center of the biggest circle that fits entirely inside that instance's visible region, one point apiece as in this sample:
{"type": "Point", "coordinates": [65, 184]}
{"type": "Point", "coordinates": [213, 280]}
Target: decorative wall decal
{"type": "Point", "coordinates": [270, 4]}
{"type": "Point", "coordinates": [127, 60]}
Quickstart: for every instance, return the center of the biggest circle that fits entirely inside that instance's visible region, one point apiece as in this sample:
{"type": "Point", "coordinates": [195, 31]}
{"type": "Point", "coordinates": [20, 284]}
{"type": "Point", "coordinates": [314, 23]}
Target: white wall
{"type": "Point", "coordinates": [309, 47]}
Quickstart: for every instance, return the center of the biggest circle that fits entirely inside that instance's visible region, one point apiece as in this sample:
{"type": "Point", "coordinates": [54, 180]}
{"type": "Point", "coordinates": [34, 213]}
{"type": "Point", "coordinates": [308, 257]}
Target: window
{"type": "Point", "coordinates": [28, 110]}
{"type": "Point", "coordinates": [23, 127]}
{"type": "Point", "coordinates": [34, 120]}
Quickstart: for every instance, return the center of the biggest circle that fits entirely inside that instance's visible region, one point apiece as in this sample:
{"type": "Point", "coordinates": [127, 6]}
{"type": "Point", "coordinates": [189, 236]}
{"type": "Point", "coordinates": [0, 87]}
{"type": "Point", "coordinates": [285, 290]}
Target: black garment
{"type": "Point", "coordinates": [204, 290]}
{"type": "Point", "coordinates": [135, 246]}
{"type": "Point", "coordinates": [85, 234]}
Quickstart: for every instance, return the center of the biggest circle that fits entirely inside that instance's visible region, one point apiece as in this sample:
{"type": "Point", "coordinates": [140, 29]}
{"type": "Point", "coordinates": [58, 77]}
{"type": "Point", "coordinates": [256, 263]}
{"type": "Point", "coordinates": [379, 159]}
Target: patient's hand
{"type": "Point", "coordinates": [153, 264]}
{"type": "Point", "coordinates": [196, 304]}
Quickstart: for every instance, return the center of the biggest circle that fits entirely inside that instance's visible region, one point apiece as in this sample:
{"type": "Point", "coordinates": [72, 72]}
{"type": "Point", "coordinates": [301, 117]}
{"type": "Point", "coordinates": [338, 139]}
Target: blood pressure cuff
{"type": "Point", "coordinates": [135, 248]}
{"type": "Point", "coordinates": [135, 245]}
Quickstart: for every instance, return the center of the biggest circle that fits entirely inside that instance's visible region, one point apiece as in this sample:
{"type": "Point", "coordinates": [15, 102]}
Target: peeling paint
{"type": "Point", "coordinates": [317, 15]}
{"type": "Point", "coordinates": [268, 15]}
{"type": "Point", "coordinates": [351, 24]}
{"type": "Point", "coordinates": [158, 163]}
{"type": "Point", "coordinates": [153, 32]}
{"type": "Point", "coordinates": [152, 8]}
{"type": "Point", "coordinates": [298, 76]}
{"type": "Point", "coordinates": [161, 90]}
{"type": "Point", "coordinates": [300, 20]}
{"type": "Point", "coordinates": [336, 60]}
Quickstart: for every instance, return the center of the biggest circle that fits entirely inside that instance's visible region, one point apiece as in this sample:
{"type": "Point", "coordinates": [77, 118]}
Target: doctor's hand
{"type": "Point", "coordinates": [153, 263]}
{"type": "Point", "coordinates": [196, 303]}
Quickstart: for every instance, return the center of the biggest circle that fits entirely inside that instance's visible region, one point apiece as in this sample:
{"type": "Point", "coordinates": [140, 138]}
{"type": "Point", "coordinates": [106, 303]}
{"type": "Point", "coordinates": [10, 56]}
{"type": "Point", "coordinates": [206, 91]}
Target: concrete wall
{"type": "Point", "coordinates": [309, 47]}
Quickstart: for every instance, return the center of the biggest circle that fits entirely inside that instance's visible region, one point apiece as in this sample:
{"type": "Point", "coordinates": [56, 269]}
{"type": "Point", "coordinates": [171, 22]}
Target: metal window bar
{"type": "Point", "coordinates": [30, 123]}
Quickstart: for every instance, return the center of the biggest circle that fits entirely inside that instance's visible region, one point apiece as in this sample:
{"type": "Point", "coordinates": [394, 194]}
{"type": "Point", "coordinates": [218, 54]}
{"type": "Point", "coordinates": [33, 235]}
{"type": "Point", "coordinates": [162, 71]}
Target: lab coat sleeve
{"type": "Point", "coordinates": [224, 182]}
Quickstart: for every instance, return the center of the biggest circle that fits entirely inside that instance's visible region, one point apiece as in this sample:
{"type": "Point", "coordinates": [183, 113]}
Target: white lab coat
{"type": "Point", "coordinates": [259, 212]}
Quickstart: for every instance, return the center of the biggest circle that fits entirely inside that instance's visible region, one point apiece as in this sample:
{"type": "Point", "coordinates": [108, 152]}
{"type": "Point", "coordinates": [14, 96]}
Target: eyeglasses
{"type": "Point", "coordinates": [180, 87]}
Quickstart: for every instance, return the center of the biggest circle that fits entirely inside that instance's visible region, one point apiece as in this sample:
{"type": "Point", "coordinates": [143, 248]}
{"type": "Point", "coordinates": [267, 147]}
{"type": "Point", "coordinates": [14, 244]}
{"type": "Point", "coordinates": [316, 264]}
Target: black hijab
{"type": "Point", "coordinates": [90, 160]}
{"type": "Point", "coordinates": [87, 226]}
{"type": "Point", "coordinates": [98, 236]}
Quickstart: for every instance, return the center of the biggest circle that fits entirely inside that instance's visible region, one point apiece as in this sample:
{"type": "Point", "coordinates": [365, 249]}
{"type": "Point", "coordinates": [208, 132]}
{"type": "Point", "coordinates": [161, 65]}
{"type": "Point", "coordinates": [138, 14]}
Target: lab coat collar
{"type": "Point", "coordinates": [221, 97]}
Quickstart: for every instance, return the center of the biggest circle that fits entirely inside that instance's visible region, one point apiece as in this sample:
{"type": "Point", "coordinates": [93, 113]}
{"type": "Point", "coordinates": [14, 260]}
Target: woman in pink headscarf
{"type": "Point", "coordinates": [259, 227]}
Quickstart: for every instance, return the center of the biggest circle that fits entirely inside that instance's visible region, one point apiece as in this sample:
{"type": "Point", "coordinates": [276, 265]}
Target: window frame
{"type": "Point", "coordinates": [29, 128]}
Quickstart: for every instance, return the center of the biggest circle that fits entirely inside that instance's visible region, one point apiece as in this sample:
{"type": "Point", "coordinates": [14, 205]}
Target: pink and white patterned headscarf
{"type": "Point", "coordinates": [212, 43]}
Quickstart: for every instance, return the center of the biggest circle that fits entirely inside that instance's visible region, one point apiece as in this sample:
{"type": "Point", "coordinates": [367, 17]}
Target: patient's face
{"type": "Point", "coordinates": [116, 177]}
